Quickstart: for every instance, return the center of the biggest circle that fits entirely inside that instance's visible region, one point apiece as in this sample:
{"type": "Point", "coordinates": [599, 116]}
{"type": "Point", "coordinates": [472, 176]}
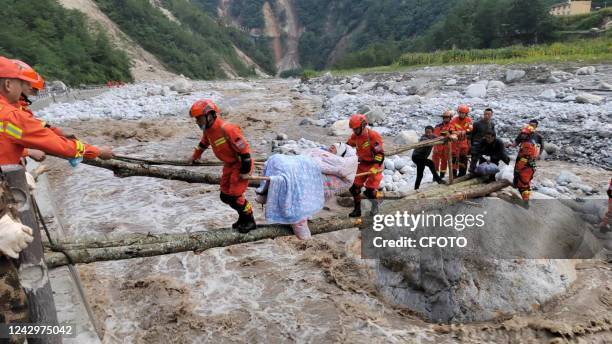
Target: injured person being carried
{"type": "Point", "coordinates": [299, 185]}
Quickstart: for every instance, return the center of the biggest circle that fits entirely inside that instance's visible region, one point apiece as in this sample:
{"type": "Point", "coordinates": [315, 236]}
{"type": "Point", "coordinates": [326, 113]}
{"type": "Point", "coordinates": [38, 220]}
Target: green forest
{"type": "Point", "coordinates": [58, 44]}
{"type": "Point", "coordinates": [479, 24]}
{"type": "Point", "coordinates": [196, 51]}
{"type": "Point", "coordinates": [340, 34]}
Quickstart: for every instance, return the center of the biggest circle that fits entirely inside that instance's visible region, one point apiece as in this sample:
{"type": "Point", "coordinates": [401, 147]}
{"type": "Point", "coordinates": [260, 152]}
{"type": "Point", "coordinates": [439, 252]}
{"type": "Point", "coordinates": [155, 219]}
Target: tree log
{"type": "Point", "coordinates": [123, 166]}
{"type": "Point", "coordinates": [123, 169]}
{"type": "Point", "coordinates": [146, 245]}
{"type": "Point", "coordinates": [426, 143]}
{"type": "Point", "coordinates": [426, 192]}
{"type": "Point", "coordinates": [173, 162]}
{"type": "Point", "coordinates": [260, 161]}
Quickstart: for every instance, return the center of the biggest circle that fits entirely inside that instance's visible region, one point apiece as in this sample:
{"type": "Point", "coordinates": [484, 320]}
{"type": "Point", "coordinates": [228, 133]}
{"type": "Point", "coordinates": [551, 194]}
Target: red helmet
{"type": "Point", "coordinates": [528, 130]}
{"type": "Point", "coordinates": [11, 70]}
{"type": "Point", "coordinates": [29, 73]}
{"type": "Point", "coordinates": [357, 120]}
{"type": "Point", "coordinates": [463, 108]}
{"type": "Point", "coordinates": [202, 107]}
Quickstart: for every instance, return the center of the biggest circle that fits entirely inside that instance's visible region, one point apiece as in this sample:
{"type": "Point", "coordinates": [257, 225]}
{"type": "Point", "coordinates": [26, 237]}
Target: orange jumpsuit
{"type": "Point", "coordinates": [228, 144]}
{"type": "Point", "coordinates": [461, 148]}
{"type": "Point", "coordinates": [370, 151]}
{"type": "Point", "coordinates": [20, 130]}
{"type": "Point", "coordinates": [25, 107]}
{"type": "Point", "coordinates": [524, 169]}
{"type": "Point", "coordinates": [440, 152]}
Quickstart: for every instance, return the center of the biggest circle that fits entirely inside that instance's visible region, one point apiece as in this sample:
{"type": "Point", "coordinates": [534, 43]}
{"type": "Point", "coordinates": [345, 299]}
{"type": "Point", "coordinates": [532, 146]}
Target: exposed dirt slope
{"type": "Point", "coordinates": [145, 66]}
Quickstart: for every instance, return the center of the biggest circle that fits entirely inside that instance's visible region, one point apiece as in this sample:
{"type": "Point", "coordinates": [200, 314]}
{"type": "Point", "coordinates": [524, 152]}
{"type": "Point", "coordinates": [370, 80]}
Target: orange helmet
{"type": "Point", "coordinates": [357, 120]}
{"type": "Point", "coordinates": [528, 130]}
{"type": "Point", "coordinates": [463, 108]}
{"type": "Point", "coordinates": [10, 70]}
{"type": "Point", "coordinates": [30, 74]}
{"type": "Point", "coordinates": [202, 107]}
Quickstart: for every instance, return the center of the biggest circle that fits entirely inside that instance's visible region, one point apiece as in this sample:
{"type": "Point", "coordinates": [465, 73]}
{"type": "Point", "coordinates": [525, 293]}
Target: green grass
{"type": "Point", "coordinates": [589, 50]}
{"type": "Point", "coordinates": [593, 50]}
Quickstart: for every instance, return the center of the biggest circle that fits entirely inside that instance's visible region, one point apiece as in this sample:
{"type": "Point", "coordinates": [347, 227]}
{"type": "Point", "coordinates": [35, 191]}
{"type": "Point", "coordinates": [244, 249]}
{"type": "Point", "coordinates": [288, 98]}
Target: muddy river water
{"type": "Point", "coordinates": [273, 291]}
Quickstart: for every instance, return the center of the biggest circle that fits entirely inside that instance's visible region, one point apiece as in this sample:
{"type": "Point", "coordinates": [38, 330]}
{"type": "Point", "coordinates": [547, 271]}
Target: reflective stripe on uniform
{"type": "Point", "coordinates": [366, 144]}
{"type": "Point", "coordinates": [80, 149]}
{"type": "Point", "coordinates": [378, 158]}
{"type": "Point", "coordinates": [13, 130]}
{"type": "Point", "coordinates": [220, 141]}
{"type": "Point", "coordinates": [1, 127]}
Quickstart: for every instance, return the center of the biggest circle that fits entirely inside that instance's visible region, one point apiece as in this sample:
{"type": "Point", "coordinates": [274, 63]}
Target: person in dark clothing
{"type": "Point", "coordinates": [420, 157]}
{"type": "Point", "coordinates": [485, 124]}
{"type": "Point", "coordinates": [537, 138]}
{"type": "Point", "coordinates": [492, 147]}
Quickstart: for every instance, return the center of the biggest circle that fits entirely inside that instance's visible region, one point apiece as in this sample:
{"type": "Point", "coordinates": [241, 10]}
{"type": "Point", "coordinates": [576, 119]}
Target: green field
{"type": "Point", "coordinates": [598, 49]}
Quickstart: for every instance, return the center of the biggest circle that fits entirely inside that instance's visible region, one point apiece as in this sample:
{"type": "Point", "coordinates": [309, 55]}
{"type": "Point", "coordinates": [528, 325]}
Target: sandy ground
{"type": "Point", "coordinates": [282, 290]}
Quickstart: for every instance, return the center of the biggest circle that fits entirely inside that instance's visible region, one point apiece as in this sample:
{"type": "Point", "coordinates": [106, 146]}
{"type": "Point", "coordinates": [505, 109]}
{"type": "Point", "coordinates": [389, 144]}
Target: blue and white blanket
{"type": "Point", "coordinates": [296, 188]}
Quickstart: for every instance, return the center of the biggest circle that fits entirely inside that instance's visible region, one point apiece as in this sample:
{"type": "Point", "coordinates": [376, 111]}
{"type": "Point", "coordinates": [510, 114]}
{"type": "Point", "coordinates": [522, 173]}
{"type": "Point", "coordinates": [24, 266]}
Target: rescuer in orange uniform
{"type": "Point", "coordinates": [230, 146]}
{"type": "Point", "coordinates": [32, 90]}
{"type": "Point", "coordinates": [440, 152]}
{"type": "Point", "coordinates": [20, 130]}
{"type": "Point", "coordinates": [461, 125]}
{"type": "Point", "coordinates": [24, 104]}
{"type": "Point", "coordinates": [371, 154]}
{"type": "Point", "coordinates": [525, 166]}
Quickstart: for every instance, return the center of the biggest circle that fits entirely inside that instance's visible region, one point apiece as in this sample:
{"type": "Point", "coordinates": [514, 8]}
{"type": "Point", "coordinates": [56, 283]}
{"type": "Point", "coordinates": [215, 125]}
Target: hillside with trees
{"type": "Point", "coordinates": [58, 43]}
{"type": "Point", "coordinates": [189, 38]}
{"type": "Point", "coordinates": [196, 46]}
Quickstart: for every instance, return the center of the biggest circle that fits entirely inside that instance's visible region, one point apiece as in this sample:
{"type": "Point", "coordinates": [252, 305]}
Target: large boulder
{"type": "Point", "coordinates": [356, 82]}
{"type": "Point", "coordinates": [418, 86]}
{"type": "Point", "coordinates": [477, 90]}
{"type": "Point", "coordinates": [389, 164]}
{"type": "Point", "coordinates": [375, 114]}
{"type": "Point", "coordinates": [57, 86]}
{"type": "Point", "coordinates": [604, 86]}
{"type": "Point", "coordinates": [406, 137]}
{"type": "Point", "coordinates": [399, 89]}
{"type": "Point", "coordinates": [561, 75]}
{"type": "Point", "coordinates": [514, 75]}
{"type": "Point", "coordinates": [496, 85]}
{"type": "Point", "coordinates": [480, 282]}
{"type": "Point", "coordinates": [551, 148]}
{"type": "Point", "coordinates": [587, 98]}
{"type": "Point", "coordinates": [326, 78]}
{"type": "Point", "coordinates": [590, 70]}
{"type": "Point", "coordinates": [412, 100]}
{"type": "Point", "coordinates": [341, 128]}
{"type": "Point", "coordinates": [548, 94]}
{"type": "Point", "coordinates": [400, 163]}
{"type": "Point", "coordinates": [566, 177]}
{"type": "Point", "coordinates": [182, 85]}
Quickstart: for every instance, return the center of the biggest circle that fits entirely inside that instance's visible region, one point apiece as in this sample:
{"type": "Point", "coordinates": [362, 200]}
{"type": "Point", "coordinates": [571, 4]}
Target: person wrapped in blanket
{"type": "Point", "coordinates": [300, 185]}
